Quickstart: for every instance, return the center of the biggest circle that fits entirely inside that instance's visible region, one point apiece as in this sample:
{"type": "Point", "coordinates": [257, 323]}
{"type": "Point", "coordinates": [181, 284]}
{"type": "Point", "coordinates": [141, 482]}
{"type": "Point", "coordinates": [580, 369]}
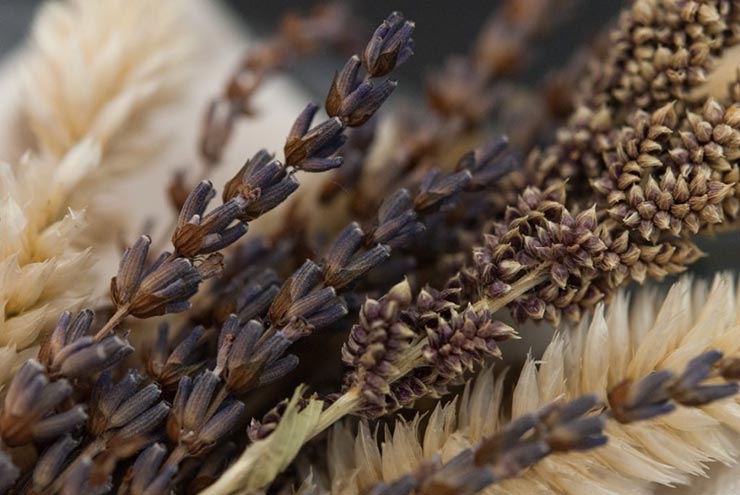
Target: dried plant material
{"type": "Point", "coordinates": [39, 254]}
{"type": "Point", "coordinates": [264, 459]}
{"type": "Point", "coordinates": [630, 341]}
{"type": "Point", "coordinates": [329, 24]}
{"type": "Point", "coordinates": [100, 71]}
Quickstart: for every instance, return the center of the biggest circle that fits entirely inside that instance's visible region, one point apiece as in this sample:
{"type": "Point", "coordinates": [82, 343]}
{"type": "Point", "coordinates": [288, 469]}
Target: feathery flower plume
{"type": "Point", "coordinates": [127, 77]}
{"type": "Point", "coordinates": [39, 254]}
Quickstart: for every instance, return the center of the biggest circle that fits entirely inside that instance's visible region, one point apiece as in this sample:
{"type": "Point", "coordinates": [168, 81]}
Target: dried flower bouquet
{"type": "Point", "coordinates": [394, 303]}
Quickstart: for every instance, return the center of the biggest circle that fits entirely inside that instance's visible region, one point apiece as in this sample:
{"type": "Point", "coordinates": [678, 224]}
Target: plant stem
{"type": "Point", "coordinates": [114, 320]}
{"type": "Point", "coordinates": [529, 281]}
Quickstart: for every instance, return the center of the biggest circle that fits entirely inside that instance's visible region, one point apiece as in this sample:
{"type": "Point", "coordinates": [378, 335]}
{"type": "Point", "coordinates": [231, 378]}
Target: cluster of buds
{"type": "Point", "coordinates": [148, 475]}
{"type": "Point", "coordinates": [198, 233]}
{"type": "Point", "coordinates": [673, 176]}
{"type": "Point", "coordinates": [201, 416]}
{"type": "Point", "coordinates": [33, 409]}
{"type": "Point", "coordinates": [658, 53]}
{"type": "Point", "coordinates": [125, 410]}
{"type": "Point", "coordinates": [576, 156]}
{"type": "Point", "coordinates": [376, 343]}
{"type": "Point", "coordinates": [263, 182]}
{"type": "Point", "coordinates": [71, 351]}
{"type": "Point", "coordinates": [661, 50]}
{"type": "Point", "coordinates": [165, 286]}
{"type": "Point", "coordinates": [540, 234]}
{"type": "Point", "coordinates": [248, 356]}
{"type": "Point", "coordinates": [456, 343]}
{"type": "Point", "coordinates": [353, 99]}
{"type": "Point", "coordinates": [390, 329]}
{"type": "Point", "coordinates": [167, 366]}
{"type": "Point", "coordinates": [304, 304]}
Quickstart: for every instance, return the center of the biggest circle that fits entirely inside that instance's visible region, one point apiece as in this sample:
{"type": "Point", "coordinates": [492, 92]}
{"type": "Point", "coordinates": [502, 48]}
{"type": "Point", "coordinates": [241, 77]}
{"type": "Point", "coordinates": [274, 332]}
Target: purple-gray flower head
{"type": "Point", "coordinates": [390, 46]}
{"type": "Point", "coordinates": [248, 356]}
{"type": "Point", "coordinates": [199, 233]}
{"type": "Point", "coordinates": [264, 182]}
{"type": "Point", "coordinates": [31, 402]}
{"type": "Point", "coordinates": [163, 287]}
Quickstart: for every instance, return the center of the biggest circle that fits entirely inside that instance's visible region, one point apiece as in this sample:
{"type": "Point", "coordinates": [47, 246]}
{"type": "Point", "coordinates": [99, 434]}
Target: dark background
{"type": "Point", "coordinates": [442, 27]}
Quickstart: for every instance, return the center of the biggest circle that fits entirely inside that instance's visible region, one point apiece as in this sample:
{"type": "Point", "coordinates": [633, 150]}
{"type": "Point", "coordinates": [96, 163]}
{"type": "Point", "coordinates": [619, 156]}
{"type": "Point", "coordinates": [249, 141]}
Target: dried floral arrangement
{"type": "Point", "coordinates": [353, 349]}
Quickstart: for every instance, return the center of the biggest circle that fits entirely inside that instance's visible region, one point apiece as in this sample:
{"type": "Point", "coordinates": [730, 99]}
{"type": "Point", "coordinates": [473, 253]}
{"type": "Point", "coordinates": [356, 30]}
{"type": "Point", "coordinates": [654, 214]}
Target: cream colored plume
{"type": "Point", "coordinates": [95, 74]}
{"type": "Point", "coordinates": [100, 70]}
{"type": "Point", "coordinates": [42, 273]}
{"type": "Point", "coordinates": [629, 340]}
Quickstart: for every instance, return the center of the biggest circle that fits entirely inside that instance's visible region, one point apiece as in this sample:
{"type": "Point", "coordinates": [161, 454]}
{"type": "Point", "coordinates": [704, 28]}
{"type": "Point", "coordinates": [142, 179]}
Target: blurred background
{"type": "Point", "coordinates": [442, 28]}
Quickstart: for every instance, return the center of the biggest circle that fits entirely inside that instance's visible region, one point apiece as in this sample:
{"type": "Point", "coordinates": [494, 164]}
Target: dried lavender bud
{"type": "Point", "coordinates": [458, 342]}
{"type": "Point", "coordinates": [488, 163]}
{"type": "Point", "coordinates": [654, 394]}
{"type": "Point", "coordinates": [263, 182]}
{"type": "Point", "coordinates": [354, 152]}
{"type": "Point", "coordinates": [437, 188]}
{"type": "Point", "coordinates": [643, 400]}
{"type": "Point", "coordinates": [248, 356]}
{"type": "Point", "coordinates": [164, 287]}
{"type": "Point", "coordinates": [255, 297]}
{"type": "Point", "coordinates": [148, 476]}
{"type": "Point", "coordinates": [85, 356]}
{"type": "Point", "coordinates": [391, 45]}
{"type": "Point", "coordinates": [198, 233]}
{"type": "Point", "coordinates": [354, 100]}
{"type": "Point", "coordinates": [200, 418]}
{"type": "Point", "coordinates": [65, 332]}
{"type": "Point", "coordinates": [397, 221]}
{"type": "Point", "coordinates": [688, 388]}
{"type": "Point", "coordinates": [30, 403]}
{"type": "Point", "coordinates": [347, 258]}
{"type": "Point", "coordinates": [302, 304]}
{"type": "Point", "coordinates": [125, 409]}
{"type": "Point", "coordinates": [8, 472]}
{"type": "Point", "coordinates": [78, 479]}
{"type": "Point", "coordinates": [375, 343]}
{"type": "Point", "coordinates": [167, 367]}
{"type": "Point", "coordinates": [52, 463]}
{"type": "Point", "coordinates": [312, 147]}
{"type": "Point", "coordinates": [569, 426]}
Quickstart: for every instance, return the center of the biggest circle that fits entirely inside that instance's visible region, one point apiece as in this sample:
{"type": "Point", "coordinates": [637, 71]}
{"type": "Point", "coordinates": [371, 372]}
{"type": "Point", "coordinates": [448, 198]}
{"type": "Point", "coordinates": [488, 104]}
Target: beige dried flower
{"type": "Point", "coordinates": [628, 340]}
{"type": "Point", "coordinates": [99, 70]}
{"type": "Point", "coordinates": [38, 257]}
